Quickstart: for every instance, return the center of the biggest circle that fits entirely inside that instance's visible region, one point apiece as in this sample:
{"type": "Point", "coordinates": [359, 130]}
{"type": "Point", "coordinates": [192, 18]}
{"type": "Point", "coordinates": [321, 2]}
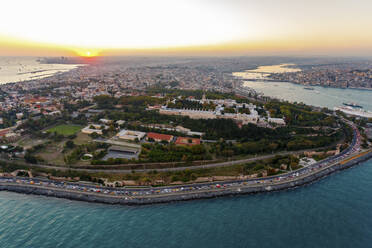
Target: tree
{"type": "Point", "coordinates": [70, 144]}
{"type": "Point", "coordinates": [30, 158]}
{"type": "Point", "coordinates": [105, 101]}
{"type": "Point", "coordinates": [94, 135]}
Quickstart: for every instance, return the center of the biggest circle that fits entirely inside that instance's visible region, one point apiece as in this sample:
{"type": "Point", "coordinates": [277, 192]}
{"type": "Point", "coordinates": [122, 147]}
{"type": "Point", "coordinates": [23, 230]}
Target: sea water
{"type": "Point", "coordinates": [333, 212]}
{"type": "Point", "coordinates": [320, 96]}
{"type": "Point", "coordinates": [16, 69]}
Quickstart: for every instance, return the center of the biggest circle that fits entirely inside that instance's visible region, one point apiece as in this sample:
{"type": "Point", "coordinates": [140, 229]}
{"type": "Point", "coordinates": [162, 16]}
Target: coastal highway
{"type": "Point", "coordinates": [130, 195]}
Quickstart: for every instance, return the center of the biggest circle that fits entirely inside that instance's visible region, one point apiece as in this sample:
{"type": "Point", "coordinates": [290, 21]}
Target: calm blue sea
{"type": "Point", "coordinates": [320, 96]}
{"type": "Point", "coordinates": [334, 212]}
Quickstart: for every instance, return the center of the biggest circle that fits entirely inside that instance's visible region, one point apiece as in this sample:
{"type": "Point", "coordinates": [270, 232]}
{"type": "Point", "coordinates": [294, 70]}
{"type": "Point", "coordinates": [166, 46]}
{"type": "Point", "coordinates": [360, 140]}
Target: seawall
{"type": "Point", "coordinates": [153, 199]}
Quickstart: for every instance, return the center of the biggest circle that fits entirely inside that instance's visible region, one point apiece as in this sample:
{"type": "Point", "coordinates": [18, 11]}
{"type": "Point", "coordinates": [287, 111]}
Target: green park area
{"type": "Point", "coordinates": [65, 130]}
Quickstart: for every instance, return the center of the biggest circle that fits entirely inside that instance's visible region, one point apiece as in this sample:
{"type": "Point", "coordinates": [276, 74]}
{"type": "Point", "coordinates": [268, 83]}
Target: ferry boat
{"type": "Point", "coordinates": [355, 112]}
{"type": "Point", "coordinates": [352, 104]}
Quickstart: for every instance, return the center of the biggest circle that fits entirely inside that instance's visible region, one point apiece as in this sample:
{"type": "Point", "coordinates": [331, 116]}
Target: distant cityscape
{"type": "Point", "coordinates": [339, 75]}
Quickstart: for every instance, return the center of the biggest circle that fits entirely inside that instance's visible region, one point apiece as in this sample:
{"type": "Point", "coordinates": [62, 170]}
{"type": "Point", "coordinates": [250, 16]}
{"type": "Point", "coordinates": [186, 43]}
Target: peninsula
{"type": "Point", "coordinates": [129, 139]}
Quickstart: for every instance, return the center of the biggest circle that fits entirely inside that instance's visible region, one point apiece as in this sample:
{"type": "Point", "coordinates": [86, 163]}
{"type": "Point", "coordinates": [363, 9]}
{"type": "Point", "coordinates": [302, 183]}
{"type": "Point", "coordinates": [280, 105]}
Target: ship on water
{"type": "Point", "coordinates": [308, 88]}
{"type": "Point", "coordinates": [354, 111]}
{"type": "Point", "coordinates": [352, 104]}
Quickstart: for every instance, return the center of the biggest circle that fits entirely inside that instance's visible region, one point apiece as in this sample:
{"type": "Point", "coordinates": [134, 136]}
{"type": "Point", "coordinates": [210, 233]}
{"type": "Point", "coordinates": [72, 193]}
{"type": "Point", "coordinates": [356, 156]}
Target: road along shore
{"type": "Point", "coordinates": [187, 195]}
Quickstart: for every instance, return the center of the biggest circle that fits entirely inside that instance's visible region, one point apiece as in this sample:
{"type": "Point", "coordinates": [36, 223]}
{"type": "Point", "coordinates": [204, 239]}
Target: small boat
{"type": "Point", "coordinates": [352, 104]}
{"type": "Point", "coordinates": [308, 88]}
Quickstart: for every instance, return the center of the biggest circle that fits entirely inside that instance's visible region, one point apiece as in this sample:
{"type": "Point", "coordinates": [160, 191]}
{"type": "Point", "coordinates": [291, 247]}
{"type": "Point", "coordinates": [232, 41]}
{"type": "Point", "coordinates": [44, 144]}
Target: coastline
{"type": "Point", "coordinates": [328, 97]}
{"type": "Point", "coordinates": [312, 85]}
{"type": "Point", "coordinates": [41, 70]}
{"type": "Point", "coordinates": [288, 66]}
{"type": "Point", "coordinates": [265, 185]}
{"type": "Point", "coordinates": [185, 196]}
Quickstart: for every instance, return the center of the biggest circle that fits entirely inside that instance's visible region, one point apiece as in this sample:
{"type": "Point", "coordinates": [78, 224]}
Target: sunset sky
{"type": "Point", "coordinates": [193, 27]}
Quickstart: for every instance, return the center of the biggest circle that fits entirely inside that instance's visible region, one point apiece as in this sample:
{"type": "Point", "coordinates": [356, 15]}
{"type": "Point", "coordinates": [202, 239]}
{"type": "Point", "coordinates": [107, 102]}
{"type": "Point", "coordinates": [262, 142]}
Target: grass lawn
{"type": "Point", "coordinates": [52, 154]}
{"type": "Point", "coordinates": [28, 142]}
{"type": "Point", "coordinates": [65, 129]}
{"type": "Point", "coordinates": [82, 138]}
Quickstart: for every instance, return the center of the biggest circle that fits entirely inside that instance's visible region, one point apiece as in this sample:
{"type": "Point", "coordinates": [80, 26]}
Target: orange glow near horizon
{"type": "Point", "coordinates": [185, 27]}
{"type": "Point", "coordinates": [290, 45]}
{"type": "Point", "coordinates": [87, 53]}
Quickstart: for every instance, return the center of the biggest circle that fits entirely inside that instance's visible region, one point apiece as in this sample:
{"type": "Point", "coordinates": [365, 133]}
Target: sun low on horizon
{"type": "Point", "coordinates": [94, 28]}
{"type": "Point", "coordinates": [87, 53]}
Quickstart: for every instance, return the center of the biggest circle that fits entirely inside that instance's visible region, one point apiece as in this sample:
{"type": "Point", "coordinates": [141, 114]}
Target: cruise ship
{"type": "Point", "coordinates": [352, 111]}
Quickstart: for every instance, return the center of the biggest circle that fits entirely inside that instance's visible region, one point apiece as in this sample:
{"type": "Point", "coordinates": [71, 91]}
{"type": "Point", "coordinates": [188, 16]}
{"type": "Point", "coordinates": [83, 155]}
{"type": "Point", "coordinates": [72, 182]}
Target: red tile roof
{"type": "Point", "coordinates": [34, 100]}
{"type": "Point", "coordinates": [3, 132]}
{"type": "Point", "coordinates": [159, 136]}
{"type": "Point", "coordinates": [186, 141]}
